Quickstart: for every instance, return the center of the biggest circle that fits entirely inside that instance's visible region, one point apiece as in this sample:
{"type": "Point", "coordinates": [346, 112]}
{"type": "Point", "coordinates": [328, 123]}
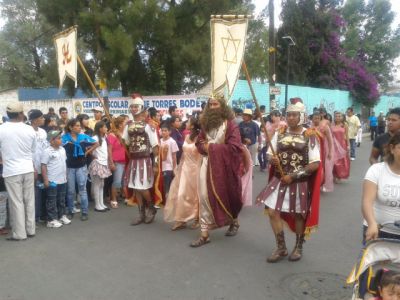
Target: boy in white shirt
{"type": "Point", "coordinates": [54, 172]}
{"type": "Point", "coordinates": [169, 149]}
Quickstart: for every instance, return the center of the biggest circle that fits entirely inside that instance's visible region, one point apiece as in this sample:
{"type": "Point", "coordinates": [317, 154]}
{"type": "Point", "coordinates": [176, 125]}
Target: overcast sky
{"type": "Point", "coordinates": [261, 4]}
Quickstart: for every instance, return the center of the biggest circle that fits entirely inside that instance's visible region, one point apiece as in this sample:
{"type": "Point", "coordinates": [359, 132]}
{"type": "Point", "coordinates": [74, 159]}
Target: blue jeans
{"type": "Point", "coordinates": [40, 202]}
{"type": "Point", "coordinates": [167, 178]}
{"type": "Point", "coordinates": [80, 177]}
{"type": "Point", "coordinates": [118, 175]}
{"type": "Point", "coordinates": [262, 158]}
{"type": "Point", "coordinates": [374, 132]}
{"type": "Point", "coordinates": [352, 148]}
{"type": "Point", "coordinates": [56, 201]}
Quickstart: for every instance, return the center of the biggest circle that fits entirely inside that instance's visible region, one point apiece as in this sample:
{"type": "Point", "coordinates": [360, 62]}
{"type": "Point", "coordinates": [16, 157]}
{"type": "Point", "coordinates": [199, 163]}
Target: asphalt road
{"type": "Point", "coordinates": [105, 258]}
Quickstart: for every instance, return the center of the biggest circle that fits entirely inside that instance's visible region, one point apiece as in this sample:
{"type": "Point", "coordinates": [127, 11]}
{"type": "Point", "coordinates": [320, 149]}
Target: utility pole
{"type": "Point", "coordinates": [291, 43]}
{"type": "Point", "coordinates": [271, 54]}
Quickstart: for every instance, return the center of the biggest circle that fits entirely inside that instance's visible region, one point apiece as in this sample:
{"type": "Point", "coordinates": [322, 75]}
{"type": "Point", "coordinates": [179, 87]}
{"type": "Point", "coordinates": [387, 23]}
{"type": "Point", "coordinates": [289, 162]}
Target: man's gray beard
{"type": "Point", "coordinates": [212, 119]}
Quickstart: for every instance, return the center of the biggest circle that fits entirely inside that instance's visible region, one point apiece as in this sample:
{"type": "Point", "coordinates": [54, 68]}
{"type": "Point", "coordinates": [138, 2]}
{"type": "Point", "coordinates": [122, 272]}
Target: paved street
{"type": "Point", "coordinates": [105, 258]}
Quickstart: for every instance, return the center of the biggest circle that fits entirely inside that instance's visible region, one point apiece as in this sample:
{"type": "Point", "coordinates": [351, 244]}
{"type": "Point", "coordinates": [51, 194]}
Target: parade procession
{"type": "Point", "coordinates": [200, 150]}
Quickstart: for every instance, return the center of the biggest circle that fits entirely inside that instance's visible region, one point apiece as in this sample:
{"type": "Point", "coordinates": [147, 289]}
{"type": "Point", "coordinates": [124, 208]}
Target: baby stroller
{"type": "Point", "coordinates": [378, 254]}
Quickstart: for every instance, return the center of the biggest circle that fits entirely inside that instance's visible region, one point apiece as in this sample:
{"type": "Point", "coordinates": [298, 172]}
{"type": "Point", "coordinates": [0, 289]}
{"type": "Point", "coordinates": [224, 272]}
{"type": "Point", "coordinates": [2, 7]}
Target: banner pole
{"type": "Point", "coordinates": [95, 90]}
{"type": "Point", "coordinates": [261, 118]}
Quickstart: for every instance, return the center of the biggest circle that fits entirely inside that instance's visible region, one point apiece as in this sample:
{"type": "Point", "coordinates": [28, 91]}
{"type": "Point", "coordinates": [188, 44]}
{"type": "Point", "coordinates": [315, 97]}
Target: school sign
{"type": "Point", "coordinates": [120, 106]}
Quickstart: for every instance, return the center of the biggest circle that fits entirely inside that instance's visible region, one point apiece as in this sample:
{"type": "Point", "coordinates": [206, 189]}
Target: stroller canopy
{"type": "Point", "coordinates": [380, 251]}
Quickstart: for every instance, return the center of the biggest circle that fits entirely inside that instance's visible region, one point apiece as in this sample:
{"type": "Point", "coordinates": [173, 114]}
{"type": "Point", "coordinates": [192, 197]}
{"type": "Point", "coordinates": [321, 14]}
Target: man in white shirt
{"type": "Point", "coordinates": [17, 145]}
{"type": "Point", "coordinates": [36, 118]}
{"type": "Point", "coordinates": [354, 124]}
{"type": "Point", "coordinates": [98, 113]}
{"type": "Point", "coordinates": [171, 113]}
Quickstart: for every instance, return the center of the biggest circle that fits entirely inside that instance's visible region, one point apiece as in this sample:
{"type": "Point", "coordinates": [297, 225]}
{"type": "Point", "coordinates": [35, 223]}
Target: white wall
{"type": "Point", "coordinates": [43, 105]}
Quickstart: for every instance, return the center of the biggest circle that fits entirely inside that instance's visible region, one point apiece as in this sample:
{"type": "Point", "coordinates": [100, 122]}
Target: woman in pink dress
{"type": "Point", "coordinates": [183, 201]}
{"type": "Point", "coordinates": [341, 166]}
{"type": "Point", "coordinates": [274, 122]}
{"type": "Point", "coordinates": [323, 127]}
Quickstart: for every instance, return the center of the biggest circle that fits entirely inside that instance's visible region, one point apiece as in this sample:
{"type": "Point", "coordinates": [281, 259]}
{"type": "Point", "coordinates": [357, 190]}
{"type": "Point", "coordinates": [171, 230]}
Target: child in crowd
{"type": "Point", "coordinates": [98, 168]}
{"type": "Point", "coordinates": [388, 284]}
{"type": "Point", "coordinates": [169, 149]}
{"type": "Point", "coordinates": [54, 172]}
{"type": "Point", "coordinates": [117, 158]}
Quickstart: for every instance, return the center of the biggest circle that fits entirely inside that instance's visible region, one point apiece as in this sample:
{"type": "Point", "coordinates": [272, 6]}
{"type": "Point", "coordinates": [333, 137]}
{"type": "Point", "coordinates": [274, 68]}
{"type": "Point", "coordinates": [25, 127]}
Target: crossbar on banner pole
{"type": "Point", "coordinates": [231, 17]}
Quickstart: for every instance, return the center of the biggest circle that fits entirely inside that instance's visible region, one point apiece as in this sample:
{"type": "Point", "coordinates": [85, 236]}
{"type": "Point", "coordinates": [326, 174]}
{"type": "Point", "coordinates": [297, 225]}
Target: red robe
{"type": "Point", "coordinates": [224, 186]}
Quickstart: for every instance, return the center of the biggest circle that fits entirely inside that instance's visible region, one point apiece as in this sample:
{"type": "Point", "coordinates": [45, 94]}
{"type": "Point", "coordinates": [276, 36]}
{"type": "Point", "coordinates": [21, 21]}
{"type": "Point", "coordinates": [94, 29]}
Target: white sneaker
{"type": "Point", "coordinates": [64, 220]}
{"type": "Point", "coordinates": [352, 158]}
{"type": "Point", "coordinates": [54, 224]}
{"type": "Point", "coordinates": [76, 210]}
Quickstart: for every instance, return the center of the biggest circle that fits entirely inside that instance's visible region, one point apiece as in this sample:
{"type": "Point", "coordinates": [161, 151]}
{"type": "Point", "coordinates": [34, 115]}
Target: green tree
{"type": "Point", "coordinates": [149, 46]}
{"type": "Point", "coordinates": [318, 59]}
{"type": "Point", "coordinates": [299, 22]}
{"type": "Point", "coordinates": [27, 55]}
{"type": "Point", "coordinates": [369, 37]}
{"type": "Point", "coordinates": [256, 55]}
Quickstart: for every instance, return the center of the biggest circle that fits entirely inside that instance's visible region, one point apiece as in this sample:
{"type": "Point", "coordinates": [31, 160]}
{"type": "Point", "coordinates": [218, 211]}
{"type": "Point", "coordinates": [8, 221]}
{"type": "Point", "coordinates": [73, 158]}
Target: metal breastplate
{"type": "Point", "coordinates": [292, 151]}
{"type": "Point", "coordinates": [139, 142]}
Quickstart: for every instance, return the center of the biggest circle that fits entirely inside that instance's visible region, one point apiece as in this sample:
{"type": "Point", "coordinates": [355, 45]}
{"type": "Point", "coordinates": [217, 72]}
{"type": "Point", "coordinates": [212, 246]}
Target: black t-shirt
{"type": "Point", "coordinates": [78, 161]}
{"type": "Point", "coordinates": [380, 142]}
{"type": "Point", "coordinates": [381, 121]}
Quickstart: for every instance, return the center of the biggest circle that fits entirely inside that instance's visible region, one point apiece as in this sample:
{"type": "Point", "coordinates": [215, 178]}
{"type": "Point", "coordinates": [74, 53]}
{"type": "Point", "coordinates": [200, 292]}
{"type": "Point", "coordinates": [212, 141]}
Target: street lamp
{"type": "Point", "coordinates": [290, 43]}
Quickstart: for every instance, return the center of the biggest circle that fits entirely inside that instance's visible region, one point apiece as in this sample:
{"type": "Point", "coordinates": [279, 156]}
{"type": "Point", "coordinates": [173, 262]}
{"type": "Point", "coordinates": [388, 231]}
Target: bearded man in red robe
{"type": "Point", "coordinates": [220, 187]}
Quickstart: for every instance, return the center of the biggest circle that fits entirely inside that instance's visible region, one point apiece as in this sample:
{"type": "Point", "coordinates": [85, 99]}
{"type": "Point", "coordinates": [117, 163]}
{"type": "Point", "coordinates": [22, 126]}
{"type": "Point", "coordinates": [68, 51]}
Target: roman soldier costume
{"type": "Point", "coordinates": [301, 196]}
{"type": "Point", "coordinates": [139, 176]}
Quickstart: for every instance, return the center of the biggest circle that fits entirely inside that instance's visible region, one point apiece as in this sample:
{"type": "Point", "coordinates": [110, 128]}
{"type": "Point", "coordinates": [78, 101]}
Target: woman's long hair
{"type": "Point", "coordinates": [71, 123]}
{"type": "Point", "coordinates": [394, 140]}
{"type": "Point", "coordinates": [195, 130]}
{"type": "Point", "coordinates": [97, 128]}
{"type": "Point", "coordinates": [117, 123]}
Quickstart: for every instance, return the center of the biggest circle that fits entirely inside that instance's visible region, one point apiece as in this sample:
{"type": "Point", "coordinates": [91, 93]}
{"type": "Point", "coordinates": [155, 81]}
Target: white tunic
{"type": "Point", "coordinates": [137, 184]}
{"type": "Point", "coordinates": [216, 136]}
{"type": "Point", "coordinates": [313, 156]}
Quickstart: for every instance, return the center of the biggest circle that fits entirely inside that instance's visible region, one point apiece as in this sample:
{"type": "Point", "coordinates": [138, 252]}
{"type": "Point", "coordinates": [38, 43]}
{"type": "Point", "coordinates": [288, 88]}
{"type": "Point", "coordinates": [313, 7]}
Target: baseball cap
{"type": "Point", "coordinates": [98, 108]}
{"type": "Point", "coordinates": [248, 111]}
{"type": "Point", "coordinates": [34, 114]}
{"type": "Point", "coordinates": [15, 107]}
{"type": "Point", "coordinates": [53, 134]}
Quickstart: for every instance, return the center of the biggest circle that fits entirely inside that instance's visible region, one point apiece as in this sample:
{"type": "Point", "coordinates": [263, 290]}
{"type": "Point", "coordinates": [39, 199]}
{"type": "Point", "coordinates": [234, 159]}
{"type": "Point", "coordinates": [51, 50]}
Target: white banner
{"type": "Point", "coordinates": [120, 106]}
{"type": "Point", "coordinates": [228, 41]}
{"type": "Point", "coordinates": [65, 44]}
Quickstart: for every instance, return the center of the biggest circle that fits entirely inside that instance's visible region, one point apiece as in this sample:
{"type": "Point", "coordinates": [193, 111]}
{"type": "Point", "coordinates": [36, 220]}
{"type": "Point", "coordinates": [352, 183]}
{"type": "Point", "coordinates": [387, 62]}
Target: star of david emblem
{"type": "Point", "coordinates": [231, 48]}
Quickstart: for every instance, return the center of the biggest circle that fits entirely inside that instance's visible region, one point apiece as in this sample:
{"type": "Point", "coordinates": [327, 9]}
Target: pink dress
{"type": "Point", "coordinates": [247, 179]}
{"type": "Point", "coordinates": [341, 166]}
{"type": "Point", "coordinates": [328, 163]}
{"type": "Point", "coordinates": [272, 127]}
{"type": "Point", "coordinates": [183, 200]}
